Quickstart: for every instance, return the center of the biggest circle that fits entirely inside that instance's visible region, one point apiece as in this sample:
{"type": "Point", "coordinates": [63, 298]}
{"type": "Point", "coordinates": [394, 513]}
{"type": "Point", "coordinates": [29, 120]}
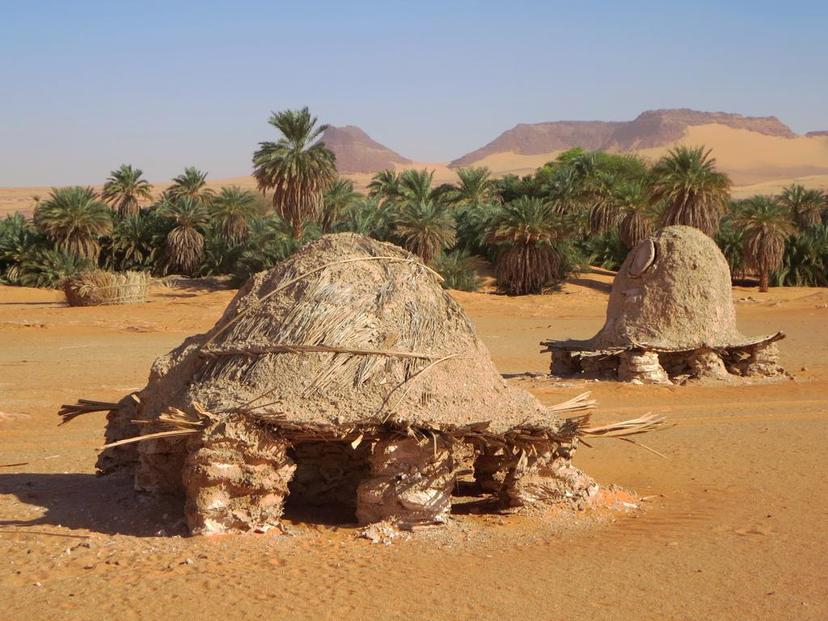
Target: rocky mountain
{"type": "Point", "coordinates": [653, 128]}
{"type": "Point", "coordinates": [357, 152]}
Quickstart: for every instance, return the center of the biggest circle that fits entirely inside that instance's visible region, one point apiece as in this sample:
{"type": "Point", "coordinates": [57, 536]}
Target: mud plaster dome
{"type": "Point", "coordinates": [344, 372]}
{"type": "Point", "coordinates": [671, 296]}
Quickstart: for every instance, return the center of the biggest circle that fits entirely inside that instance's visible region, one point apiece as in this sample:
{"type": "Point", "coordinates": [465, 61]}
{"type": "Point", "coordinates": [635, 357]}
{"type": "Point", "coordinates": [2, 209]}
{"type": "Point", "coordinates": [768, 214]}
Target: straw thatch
{"type": "Point", "coordinates": [351, 342]}
{"type": "Point", "coordinates": [349, 331]}
{"type": "Point", "coordinates": [672, 295]}
{"type": "Point", "coordinates": [99, 287]}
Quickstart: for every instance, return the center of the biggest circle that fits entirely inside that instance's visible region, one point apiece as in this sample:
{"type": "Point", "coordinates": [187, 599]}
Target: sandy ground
{"type": "Point", "coordinates": [758, 164]}
{"type": "Point", "coordinates": [736, 526]}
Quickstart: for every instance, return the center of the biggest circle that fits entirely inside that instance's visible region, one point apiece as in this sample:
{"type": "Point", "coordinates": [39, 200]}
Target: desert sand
{"type": "Point", "coordinates": [734, 524]}
{"type": "Point", "coordinates": [749, 157]}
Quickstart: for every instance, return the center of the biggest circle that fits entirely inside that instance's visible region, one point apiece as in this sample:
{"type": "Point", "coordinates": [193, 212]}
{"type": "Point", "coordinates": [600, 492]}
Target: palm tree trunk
{"type": "Point", "coordinates": [763, 281]}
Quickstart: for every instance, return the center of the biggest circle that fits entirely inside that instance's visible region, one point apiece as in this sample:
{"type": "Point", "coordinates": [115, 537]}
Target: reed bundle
{"type": "Point", "coordinates": [68, 411]}
{"type": "Point", "coordinates": [100, 288]}
{"type": "Point", "coordinates": [173, 422]}
{"type": "Point", "coordinates": [631, 427]}
{"type": "Point", "coordinates": [622, 430]}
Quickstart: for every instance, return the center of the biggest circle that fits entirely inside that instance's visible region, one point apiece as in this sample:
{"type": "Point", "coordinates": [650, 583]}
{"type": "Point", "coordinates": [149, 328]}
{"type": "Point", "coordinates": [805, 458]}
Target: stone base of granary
{"type": "Point", "coordinates": [661, 367]}
{"type": "Point", "coordinates": [409, 484]}
{"type": "Point", "coordinates": [756, 361]}
{"type": "Point", "coordinates": [545, 478]}
{"type": "Point", "coordinates": [706, 364]}
{"type": "Point", "coordinates": [641, 366]}
{"type": "Point", "coordinates": [238, 475]}
{"type": "Point", "coordinates": [236, 479]}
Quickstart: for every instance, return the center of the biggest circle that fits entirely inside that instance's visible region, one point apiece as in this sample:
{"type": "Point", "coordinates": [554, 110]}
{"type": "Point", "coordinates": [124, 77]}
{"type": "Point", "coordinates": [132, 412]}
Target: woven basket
{"type": "Point", "coordinates": [100, 288]}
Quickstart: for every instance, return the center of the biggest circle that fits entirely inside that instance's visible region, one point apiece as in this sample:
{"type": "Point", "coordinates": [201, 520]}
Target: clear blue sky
{"type": "Point", "coordinates": [85, 86]}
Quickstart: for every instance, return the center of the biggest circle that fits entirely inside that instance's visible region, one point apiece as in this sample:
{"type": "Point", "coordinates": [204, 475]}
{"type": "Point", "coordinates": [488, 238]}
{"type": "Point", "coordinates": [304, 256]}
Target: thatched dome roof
{"type": "Point", "coordinates": [672, 293]}
{"type": "Point", "coordinates": [347, 330]}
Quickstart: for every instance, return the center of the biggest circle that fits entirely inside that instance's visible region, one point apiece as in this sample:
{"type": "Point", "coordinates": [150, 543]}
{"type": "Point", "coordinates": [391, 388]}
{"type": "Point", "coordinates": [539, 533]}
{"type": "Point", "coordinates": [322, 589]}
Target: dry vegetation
{"type": "Point", "coordinates": [98, 287]}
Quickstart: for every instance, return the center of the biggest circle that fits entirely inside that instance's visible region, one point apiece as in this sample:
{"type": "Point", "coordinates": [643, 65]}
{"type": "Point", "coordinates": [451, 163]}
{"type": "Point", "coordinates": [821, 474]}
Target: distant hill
{"type": "Point", "coordinates": [654, 128]}
{"type": "Point", "coordinates": [761, 154]}
{"type": "Point", "coordinates": [357, 152]}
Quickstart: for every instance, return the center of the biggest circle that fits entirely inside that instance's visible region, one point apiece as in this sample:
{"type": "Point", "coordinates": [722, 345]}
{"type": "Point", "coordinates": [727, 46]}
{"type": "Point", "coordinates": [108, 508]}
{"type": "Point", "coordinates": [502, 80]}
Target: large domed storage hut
{"type": "Point", "coordinates": [345, 374]}
{"type": "Point", "coordinates": [670, 316]}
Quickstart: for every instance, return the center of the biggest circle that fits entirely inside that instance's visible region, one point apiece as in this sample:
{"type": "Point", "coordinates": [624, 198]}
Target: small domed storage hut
{"type": "Point", "coordinates": [345, 374]}
{"type": "Point", "coordinates": [670, 315]}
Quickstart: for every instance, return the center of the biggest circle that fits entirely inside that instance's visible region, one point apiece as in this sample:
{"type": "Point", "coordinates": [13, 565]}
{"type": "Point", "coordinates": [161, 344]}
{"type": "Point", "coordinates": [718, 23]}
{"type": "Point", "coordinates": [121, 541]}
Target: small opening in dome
{"type": "Point", "coordinates": [323, 488]}
{"type": "Point", "coordinates": [645, 256]}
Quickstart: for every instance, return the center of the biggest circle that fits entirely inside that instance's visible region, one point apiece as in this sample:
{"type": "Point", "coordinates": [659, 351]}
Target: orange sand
{"type": "Point", "coordinates": [736, 526]}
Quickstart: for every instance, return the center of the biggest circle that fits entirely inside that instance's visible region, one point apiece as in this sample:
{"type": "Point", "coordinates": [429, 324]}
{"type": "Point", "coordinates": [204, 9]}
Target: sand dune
{"type": "Point", "coordinates": [819, 182]}
{"type": "Point", "coordinates": [511, 163]}
{"type": "Point", "coordinates": [751, 158]}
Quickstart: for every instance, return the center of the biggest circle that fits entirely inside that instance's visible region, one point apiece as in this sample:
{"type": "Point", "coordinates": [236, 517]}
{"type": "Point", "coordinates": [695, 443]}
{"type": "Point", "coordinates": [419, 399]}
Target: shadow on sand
{"type": "Point", "coordinates": [110, 506]}
{"type": "Point", "coordinates": [106, 505]}
{"type": "Point", "coordinates": [55, 304]}
{"type": "Point", "coordinates": [603, 287]}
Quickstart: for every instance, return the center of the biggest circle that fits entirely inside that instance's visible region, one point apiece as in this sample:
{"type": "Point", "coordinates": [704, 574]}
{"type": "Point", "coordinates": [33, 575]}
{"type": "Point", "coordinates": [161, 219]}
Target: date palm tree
{"type": "Point", "coordinates": [807, 206]}
{"type": "Point", "coordinates": [18, 240]}
{"type": "Point", "coordinates": [232, 209]}
{"type": "Point", "coordinates": [425, 227]}
{"type": "Point", "coordinates": [369, 216]}
{"type": "Point", "coordinates": [527, 233]}
{"type": "Point", "coordinates": [125, 188]}
{"type": "Point", "coordinates": [472, 228]}
{"type": "Point", "coordinates": [602, 190]}
{"type": "Point", "coordinates": [416, 185]}
{"type": "Point", "coordinates": [637, 217]}
{"type": "Point", "coordinates": [693, 191]}
{"type": "Point", "coordinates": [458, 270]}
{"type": "Point", "coordinates": [73, 219]}
{"type": "Point", "coordinates": [475, 187]}
{"type": "Point", "coordinates": [806, 259]}
{"type": "Point", "coordinates": [336, 201]}
{"type": "Point", "coordinates": [191, 184]}
{"type": "Point", "coordinates": [50, 267]}
{"type": "Point", "coordinates": [385, 185]}
{"type": "Point", "coordinates": [184, 243]}
{"type": "Point", "coordinates": [730, 241]}
{"type": "Point", "coordinates": [765, 226]}
{"type": "Point", "coordinates": [298, 168]}
{"type": "Point", "coordinates": [133, 242]}
{"type": "Point", "coordinates": [271, 240]}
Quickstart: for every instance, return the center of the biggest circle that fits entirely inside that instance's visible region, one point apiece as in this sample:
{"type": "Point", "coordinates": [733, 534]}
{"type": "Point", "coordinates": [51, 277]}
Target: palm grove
{"type": "Point", "coordinates": [583, 208]}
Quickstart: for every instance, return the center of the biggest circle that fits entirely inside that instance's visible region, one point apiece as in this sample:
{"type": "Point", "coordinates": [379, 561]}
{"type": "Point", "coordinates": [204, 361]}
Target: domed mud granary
{"type": "Point", "coordinates": [670, 317]}
{"type": "Point", "coordinates": [345, 374]}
